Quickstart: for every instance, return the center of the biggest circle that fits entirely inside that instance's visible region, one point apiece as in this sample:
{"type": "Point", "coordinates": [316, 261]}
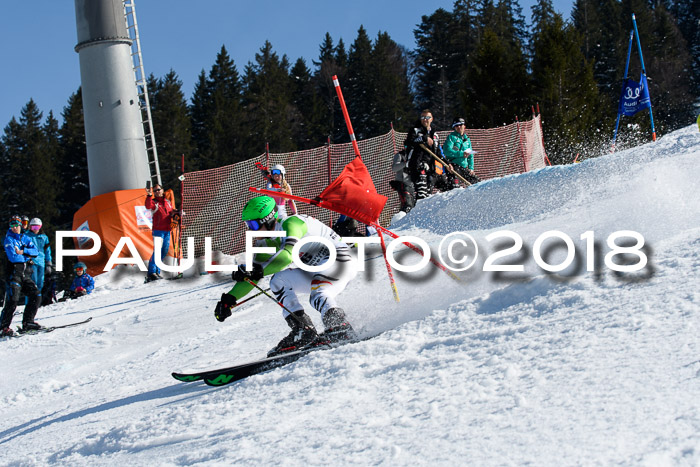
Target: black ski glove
{"type": "Point", "coordinates": [223, 307]}
{"type": "Point", "coordinates": [48, 270]}
{"type": "Point", "coordinates": [255, 275]}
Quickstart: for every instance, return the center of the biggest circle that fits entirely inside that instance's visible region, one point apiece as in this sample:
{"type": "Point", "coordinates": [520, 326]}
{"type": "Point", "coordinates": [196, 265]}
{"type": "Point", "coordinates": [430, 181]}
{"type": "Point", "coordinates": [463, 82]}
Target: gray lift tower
{"type": "Point", "coordinates": [114, 132]}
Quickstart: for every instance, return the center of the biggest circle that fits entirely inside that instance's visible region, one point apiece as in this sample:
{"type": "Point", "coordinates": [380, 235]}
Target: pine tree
{"type": "Point", "coordinates": [332, 61]}
{"type": "Point", "coordinates": [604, 43]}
{"type": "Point", "coordinates": [216, 112]}
{"type": "Point", "coordinates": [359, 87]}
{"type": "Point", "coordinates": [393, 100]}
{"type": "Point", "coordinates": [12, 175]}
{"type": "Point", "coordinates": [171, 126]}
{"type": "Point", "coordinates": [199, 109]}
{"type": "Point", "coordinates": [309, 117]}
{"type": "Point", "coordinates": [30, 182]}
{"type": "Point", "coordinates": [46, 186]}
{"type": "Point", "coordinates": [565, 87]}
{"type": "Point", "coordinates": [432, 67]}
{"type": "Point", "coordinates": [498, 85]}
{"type": "Point", "coordinates": [687, 13]}
{"type": "Point", "coordinates": [72, 169]}
{"type": "Point", "coordinates": [268, 102]}
{"type": "Point", "coordinates": [464, 36]}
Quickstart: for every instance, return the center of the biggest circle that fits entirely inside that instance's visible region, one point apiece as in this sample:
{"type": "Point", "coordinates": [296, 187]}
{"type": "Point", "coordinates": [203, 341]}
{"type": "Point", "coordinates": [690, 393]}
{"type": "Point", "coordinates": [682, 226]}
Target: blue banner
{"type": "Point", "coordinates": [635, 97]}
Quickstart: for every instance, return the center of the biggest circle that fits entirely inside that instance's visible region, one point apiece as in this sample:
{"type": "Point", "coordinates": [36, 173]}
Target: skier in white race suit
{"type": "Point", "coordinates": [287, 280]}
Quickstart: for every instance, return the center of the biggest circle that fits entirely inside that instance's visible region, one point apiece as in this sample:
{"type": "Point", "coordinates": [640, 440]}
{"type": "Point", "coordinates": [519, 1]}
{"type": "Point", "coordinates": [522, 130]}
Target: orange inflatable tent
{"type": "Point", "coordinates": [112, 216]}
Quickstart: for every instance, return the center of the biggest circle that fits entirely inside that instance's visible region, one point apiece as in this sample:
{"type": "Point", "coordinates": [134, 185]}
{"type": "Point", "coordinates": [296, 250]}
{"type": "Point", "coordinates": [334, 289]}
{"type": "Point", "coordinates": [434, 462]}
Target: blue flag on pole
{"type": "Point", "coordinates": [635, 97]}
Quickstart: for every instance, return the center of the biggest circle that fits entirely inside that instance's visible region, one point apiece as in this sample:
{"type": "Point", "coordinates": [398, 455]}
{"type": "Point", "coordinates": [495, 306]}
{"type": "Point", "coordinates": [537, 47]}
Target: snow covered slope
{"type": "Point", "coordinates": [514, 368]}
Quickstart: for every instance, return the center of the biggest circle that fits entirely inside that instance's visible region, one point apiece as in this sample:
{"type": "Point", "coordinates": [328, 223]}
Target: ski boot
{"type": "Point", "coordinates": [338, 328]}
{"type": "Point", "coordinates": [301, 336]}
{"type": "Point", "coordinates": [152, 277]}
{"type": "Point", "coordinates": [30, 326]}
{"type": "Point", "coordinates": [7, 332]}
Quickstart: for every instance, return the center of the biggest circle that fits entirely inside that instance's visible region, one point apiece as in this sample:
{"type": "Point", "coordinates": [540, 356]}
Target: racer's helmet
{"type": "Point", "coordinates": [260, 211]}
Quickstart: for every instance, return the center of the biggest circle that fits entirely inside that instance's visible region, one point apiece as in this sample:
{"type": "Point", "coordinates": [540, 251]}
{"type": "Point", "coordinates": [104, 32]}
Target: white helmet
{"type": "Point", "coordinates": [279, 167]}
{"type": "Point", "coordinates": [35, 221]}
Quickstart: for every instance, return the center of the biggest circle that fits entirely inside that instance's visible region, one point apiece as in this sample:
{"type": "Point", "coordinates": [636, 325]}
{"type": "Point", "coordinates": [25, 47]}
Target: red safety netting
{"type": "Point", "coordinates": [213, 199]}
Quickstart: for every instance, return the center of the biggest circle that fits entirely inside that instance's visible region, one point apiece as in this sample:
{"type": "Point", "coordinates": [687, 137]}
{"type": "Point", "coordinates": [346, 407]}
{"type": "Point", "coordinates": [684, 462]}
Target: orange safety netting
{"type": "Point", "coordinates": [213, 199]}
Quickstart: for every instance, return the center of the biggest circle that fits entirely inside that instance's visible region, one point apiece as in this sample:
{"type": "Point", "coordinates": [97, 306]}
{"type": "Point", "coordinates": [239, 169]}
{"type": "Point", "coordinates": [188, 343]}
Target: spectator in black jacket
{"type": "Point", "coordinates": [421, 165]}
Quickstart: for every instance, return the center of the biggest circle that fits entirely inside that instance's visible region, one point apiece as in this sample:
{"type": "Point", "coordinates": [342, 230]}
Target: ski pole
{"type": "Point", "coordinates": [447, 165]}
{"type": "Point", "coordinates": [250, 298]}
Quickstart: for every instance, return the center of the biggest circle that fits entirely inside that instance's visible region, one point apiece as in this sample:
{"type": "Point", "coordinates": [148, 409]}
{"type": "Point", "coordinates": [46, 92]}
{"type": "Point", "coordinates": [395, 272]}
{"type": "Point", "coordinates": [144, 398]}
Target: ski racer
{"type": "Point", "coordinates": [20, 250]}
{"type": "Point", "coordinates": [260, 214]}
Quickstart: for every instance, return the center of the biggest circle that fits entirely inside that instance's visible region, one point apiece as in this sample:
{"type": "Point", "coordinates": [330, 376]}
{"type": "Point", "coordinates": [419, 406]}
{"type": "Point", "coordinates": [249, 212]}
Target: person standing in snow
{"type": "Point", "coordinates": [20, 251]}
{"type": "Point", "coordinates": [458, 151]}
{"type": "Point", "coordinates": [402, 184]}
{"type": "Point", "coordinates": [25, 224]}
{"type": "Point", "coordinates": [43, 261]}
{"type": "Point", "coordinates": [260, 214]}
{"type": "Point", "coordinates": [162, 213]}
{"type": "Point", "coordinates": [276, 181]}
{"type": "Point", "coordinates": [421, 165]}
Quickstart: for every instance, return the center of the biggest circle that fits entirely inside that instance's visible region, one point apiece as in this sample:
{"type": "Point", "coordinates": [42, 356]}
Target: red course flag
{"type": "Point", "coordinates": [353, 194]}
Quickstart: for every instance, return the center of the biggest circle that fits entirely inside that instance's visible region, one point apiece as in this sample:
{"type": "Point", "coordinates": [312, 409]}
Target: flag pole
{"type": "Point", "coordinates": [336, 83]}
{"type": "Point", "coordinates": [624, 83]}
{"type": "Point", "coordinates": [644, 73]}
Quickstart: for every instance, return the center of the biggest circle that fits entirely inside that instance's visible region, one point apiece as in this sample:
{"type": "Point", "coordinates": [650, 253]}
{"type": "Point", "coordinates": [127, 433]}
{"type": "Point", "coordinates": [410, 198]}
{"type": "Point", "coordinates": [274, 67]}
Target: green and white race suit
{"type": "Point", "coordinates": [288, 280]}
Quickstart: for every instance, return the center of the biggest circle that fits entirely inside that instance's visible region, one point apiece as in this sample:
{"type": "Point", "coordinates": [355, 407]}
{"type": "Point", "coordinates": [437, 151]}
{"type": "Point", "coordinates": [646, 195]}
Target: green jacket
{"type": "Point", "coordinates": [454, 148]}
{"type": "Point", "coordinates": [295, 228]}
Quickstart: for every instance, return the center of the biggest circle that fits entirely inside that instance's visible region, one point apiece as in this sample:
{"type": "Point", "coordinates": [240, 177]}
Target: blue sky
{"type": "Point", "coordinates": [39, 35]}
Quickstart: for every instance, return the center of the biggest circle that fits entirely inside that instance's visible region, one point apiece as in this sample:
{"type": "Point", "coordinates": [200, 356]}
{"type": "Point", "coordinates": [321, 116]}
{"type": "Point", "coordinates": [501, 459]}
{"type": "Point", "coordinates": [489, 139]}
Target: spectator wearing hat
{"type": "Point", "coordinates": [82, 284]}
{"type": "Point", "coordinates": [20, 251]}
{"type": "Point", "coordinates": [162, 213]}
{"type": "Point", "coordinates": [43, 261]}
{"type": "Point", "coordinates": [458, 151]}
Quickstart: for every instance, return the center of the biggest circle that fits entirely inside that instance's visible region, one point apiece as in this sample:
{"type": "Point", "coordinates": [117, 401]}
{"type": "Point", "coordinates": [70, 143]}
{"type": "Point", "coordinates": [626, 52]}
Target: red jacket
{"type": "Point", "coordinates": [161, 211]}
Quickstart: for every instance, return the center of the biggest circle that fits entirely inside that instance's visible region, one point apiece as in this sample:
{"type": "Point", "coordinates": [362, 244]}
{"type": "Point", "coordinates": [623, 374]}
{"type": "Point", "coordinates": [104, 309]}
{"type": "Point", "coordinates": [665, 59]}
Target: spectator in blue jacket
{"type": "Point", "coordinates": [20, 251]}
{"type": "Point", "coordinates": [83, 284]}
{"type": "Point", "coordinates": [43, 263]}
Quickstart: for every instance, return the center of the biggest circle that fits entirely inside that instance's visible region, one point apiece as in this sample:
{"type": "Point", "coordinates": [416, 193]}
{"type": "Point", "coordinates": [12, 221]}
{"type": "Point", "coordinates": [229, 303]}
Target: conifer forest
{"type": "Point", "coordinates": [481, 61]}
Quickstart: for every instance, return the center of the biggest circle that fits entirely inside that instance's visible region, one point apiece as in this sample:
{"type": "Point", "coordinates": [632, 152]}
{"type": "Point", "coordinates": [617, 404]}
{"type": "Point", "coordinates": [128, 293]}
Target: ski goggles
{"type": "Point", "coordinates": [254, 225]}
{"type": "Point", "coordinates": [276, 172]}
{"type": "Point", "coordinates": [15, 223]}
{"type": "Point", "coordinates": [79, 269]}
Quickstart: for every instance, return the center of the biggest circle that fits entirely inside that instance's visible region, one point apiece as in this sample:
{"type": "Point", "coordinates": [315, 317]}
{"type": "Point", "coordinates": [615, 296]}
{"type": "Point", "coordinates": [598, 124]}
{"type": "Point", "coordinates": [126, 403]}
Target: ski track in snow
{"type": "Point", "coordinates": [545, 370]}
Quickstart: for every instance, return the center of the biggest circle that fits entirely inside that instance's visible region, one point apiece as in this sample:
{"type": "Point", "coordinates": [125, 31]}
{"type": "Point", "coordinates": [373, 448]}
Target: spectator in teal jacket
{"type": "Point", "coordinates": [43, 263]}
{"type": "Point", "coordinates": [458, 151]}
